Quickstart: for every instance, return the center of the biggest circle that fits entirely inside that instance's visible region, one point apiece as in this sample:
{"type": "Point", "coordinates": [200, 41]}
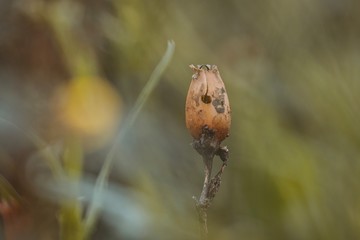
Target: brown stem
{"type": "Point", "coordinates": [208, 146]}
{"type": "Point", "coordinates": [202, 203]}
{"type": "Point", "coordinates": [207, 170]}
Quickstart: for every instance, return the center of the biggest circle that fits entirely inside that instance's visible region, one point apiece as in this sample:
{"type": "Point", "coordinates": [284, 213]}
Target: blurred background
{"type": "Point", "coordinates": [71, 73]}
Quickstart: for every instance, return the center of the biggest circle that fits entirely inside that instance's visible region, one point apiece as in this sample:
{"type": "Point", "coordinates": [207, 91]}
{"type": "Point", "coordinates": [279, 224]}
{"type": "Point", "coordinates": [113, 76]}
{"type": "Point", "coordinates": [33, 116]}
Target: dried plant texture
{"type": "Point", "coordinates": [208, 120]}
{"type": "Point", "coordinates": [207, 103]}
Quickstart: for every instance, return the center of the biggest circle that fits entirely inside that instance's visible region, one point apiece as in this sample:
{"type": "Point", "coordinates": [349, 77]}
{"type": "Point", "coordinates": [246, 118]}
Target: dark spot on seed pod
{"type": "Point", "coordinates": [206, 99]}
{"type": "Point", "coordinates": [219, 100]}
{"type": "Point", "coordinates": [219, 105]}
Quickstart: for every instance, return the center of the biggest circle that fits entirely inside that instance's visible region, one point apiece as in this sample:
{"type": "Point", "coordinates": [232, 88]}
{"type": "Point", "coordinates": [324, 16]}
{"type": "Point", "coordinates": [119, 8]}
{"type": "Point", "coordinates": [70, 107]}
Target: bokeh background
{"type": "Point", "coordinates": [71, 72]}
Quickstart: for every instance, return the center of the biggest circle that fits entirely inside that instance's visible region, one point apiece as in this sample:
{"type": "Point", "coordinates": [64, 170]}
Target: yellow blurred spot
{"type": "Point", "coordinates": [90, 107]}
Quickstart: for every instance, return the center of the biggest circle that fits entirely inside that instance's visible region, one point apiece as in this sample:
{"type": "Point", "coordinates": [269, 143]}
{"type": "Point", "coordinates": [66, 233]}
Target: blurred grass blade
{"type": "Point", "coordinates": [42, 146]}
{"type": "Point", "coordinates": [149, 87]}
{"type": "Point", "coordinates": [128, 122]}
{"type": "Point", "coordinates": [8, 192]}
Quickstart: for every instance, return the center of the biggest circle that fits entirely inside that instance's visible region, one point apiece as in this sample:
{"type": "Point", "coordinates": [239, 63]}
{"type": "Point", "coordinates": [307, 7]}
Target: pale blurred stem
{"type": "Point", "coordinates": [64, 17]}
{"type": "Point", "coordinates": [208, 146]}
{"type": "Point", "coordinates": [71, 224]}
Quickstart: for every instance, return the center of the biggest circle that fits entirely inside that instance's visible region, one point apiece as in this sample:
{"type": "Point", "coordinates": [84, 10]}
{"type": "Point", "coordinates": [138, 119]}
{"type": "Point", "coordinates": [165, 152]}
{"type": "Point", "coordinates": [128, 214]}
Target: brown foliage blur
{"type": "Point", "coordinates": [291, 69]}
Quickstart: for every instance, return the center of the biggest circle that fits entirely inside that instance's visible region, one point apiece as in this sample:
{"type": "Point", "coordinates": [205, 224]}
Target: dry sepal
{"type": "Point", "coordinates": [207, 103]}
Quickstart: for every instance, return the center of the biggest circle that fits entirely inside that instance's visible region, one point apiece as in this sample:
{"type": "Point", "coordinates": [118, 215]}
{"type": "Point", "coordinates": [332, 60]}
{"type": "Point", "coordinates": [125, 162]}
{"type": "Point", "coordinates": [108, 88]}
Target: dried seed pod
{"type": "Point", "coordinates": [207, 103]}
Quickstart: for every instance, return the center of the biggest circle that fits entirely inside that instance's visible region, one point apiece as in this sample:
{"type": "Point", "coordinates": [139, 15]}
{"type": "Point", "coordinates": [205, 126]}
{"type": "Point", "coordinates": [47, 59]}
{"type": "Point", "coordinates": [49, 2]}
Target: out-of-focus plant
{"type": "Point", "coordinates": [88, 107]}
{"type": "Point", "coordinates": [89, 110]}
{"type": "Point", "coordinates": [291, 69]}
{"type": "Point", "coordinates": [140, 102]}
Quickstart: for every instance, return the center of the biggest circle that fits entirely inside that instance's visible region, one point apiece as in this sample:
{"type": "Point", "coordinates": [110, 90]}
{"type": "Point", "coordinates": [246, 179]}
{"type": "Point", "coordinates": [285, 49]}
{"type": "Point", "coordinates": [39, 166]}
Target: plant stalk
{"type": "Point", "coordinates": [208, 146]}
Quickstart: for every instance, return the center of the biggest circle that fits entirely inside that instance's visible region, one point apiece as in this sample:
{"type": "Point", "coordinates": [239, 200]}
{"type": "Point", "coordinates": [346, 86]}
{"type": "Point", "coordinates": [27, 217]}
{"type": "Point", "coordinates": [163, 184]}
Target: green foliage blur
{"type": "Point", "coordinates": [292, 72]}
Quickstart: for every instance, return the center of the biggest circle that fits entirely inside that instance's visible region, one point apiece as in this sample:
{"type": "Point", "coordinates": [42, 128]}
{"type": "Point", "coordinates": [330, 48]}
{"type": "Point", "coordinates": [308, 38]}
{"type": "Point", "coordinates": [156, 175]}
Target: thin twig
{"type": "Point", "coordinates": [202, 203]}
{"type": "Point", "coordinates": [207, 170]}
{"type": "Point", "coordinates": [208, 146]}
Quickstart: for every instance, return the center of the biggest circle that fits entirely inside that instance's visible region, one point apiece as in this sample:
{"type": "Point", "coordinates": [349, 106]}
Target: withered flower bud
{"type": "Point", "coordinates": [207, 103]}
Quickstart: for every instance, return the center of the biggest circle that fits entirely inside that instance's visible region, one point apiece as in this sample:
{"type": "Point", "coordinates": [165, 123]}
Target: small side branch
{"type": "Point", "coordinates": [208, 146]}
